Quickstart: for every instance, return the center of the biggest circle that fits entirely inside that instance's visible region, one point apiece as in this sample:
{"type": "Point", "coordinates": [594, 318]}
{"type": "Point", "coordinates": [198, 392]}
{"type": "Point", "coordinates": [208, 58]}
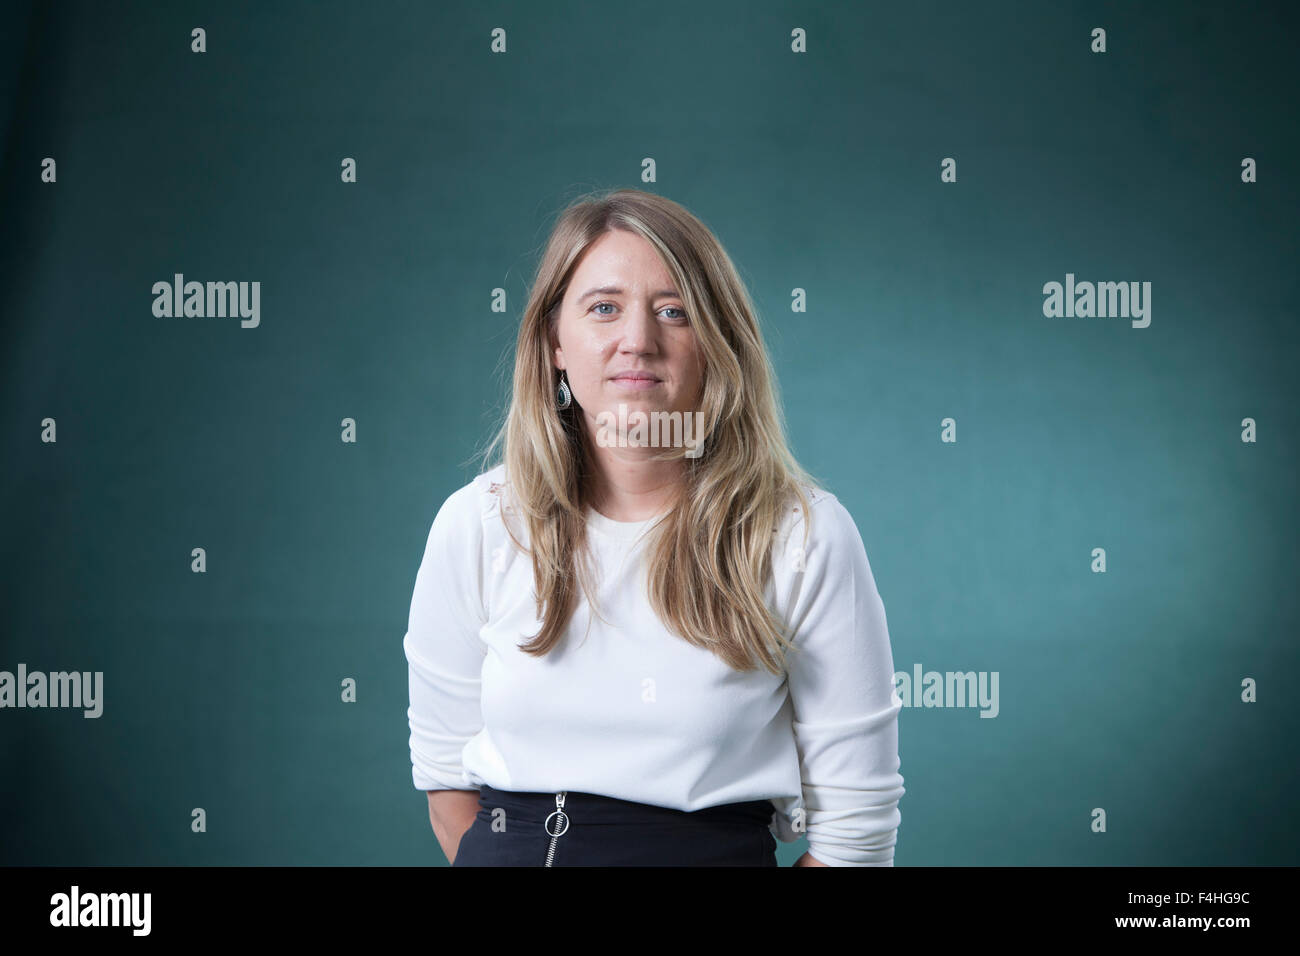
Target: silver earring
{"type": "Point", "coordinates": [565, 396]}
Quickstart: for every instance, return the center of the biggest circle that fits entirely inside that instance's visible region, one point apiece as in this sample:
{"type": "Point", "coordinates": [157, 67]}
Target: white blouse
{"type": "Point", "coordinates": [622, 707]}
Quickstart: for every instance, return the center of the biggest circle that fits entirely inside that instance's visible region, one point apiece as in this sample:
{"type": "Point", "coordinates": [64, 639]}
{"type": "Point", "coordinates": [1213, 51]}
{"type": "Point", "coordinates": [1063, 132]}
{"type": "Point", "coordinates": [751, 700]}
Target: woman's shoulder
{"type": "Point", "coordinates": [820, 501]}
{"type": "Point", "coordinates": [478, 498]}
{"type": "Point", "coordinates": [831, 525]}
{"type": "Point", "coordinates": [490, 488]}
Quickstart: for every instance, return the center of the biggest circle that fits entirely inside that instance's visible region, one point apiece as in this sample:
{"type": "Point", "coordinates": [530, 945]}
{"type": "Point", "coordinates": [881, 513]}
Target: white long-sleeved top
{"type": "Point", "coordinates": [627, 709]}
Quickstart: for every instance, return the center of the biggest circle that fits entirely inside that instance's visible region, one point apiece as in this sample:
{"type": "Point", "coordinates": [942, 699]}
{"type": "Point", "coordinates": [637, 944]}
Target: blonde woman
{"type": "Point", "coordinates": [648, 646]}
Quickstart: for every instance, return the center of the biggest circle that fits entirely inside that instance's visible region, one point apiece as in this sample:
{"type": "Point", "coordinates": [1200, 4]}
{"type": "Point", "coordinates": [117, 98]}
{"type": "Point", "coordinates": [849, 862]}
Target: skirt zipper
{"type": "Point", "coordinates": [561, 825]}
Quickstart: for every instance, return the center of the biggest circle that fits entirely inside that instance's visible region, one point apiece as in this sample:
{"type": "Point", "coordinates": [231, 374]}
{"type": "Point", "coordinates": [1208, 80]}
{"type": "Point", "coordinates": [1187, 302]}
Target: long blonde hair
{"type": "Point", "coordinates": [710, 555]}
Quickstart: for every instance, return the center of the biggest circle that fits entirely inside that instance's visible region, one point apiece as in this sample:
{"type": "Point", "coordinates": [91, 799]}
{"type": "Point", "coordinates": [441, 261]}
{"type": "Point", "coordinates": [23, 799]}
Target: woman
{"type": "Point", "coordinates": [638, 649]}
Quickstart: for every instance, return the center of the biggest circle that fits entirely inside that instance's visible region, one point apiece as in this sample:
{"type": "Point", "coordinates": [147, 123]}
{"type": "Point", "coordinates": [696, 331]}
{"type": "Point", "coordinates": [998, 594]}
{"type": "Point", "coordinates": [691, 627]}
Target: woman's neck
{"type": "Point", "coordinates": [629, 488]}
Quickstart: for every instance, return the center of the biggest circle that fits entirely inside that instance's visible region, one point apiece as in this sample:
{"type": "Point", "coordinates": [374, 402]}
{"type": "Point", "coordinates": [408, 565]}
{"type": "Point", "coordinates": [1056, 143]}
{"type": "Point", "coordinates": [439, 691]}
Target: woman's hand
{"type": "Point", "coordinates": [451, 812]}
{"type": "Point", "coordinates": [808, 860]}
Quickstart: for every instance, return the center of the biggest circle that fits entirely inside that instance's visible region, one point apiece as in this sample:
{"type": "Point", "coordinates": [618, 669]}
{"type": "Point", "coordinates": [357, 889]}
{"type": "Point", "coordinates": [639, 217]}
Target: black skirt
{"type": "Point", "coordinates": [515, 828]}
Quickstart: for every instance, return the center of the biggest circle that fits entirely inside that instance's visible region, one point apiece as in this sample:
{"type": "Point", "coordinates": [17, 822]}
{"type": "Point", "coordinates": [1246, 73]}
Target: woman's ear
{"type": "Point", "coordinates": [553, 344]}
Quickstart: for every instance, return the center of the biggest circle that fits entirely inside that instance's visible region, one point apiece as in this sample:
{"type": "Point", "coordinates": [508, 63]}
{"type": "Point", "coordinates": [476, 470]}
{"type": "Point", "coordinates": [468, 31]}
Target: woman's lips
{"type": "Point", "coordinates": [636, 383]}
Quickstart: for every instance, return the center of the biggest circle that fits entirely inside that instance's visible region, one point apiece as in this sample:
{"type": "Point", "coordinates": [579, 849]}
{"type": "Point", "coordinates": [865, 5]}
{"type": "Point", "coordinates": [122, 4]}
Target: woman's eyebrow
{"type": "Point", "coordinates": [615, 290]}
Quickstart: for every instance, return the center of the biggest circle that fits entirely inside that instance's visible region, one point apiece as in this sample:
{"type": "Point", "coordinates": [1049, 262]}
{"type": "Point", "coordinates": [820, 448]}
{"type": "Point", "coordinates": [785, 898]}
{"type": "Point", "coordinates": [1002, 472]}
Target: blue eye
{"type": "Point", "coordinates": [670, 308]}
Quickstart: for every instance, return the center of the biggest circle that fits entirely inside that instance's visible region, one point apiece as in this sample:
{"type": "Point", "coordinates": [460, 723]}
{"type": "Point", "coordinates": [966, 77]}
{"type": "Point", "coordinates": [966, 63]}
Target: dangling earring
{"type": "Point", "coordinates": [565, 396]}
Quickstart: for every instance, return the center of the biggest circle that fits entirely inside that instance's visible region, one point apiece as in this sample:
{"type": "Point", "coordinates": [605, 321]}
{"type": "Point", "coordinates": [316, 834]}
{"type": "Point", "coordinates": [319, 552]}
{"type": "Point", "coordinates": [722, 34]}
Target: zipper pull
{"type": "Point", "coordinates": [562, 824]}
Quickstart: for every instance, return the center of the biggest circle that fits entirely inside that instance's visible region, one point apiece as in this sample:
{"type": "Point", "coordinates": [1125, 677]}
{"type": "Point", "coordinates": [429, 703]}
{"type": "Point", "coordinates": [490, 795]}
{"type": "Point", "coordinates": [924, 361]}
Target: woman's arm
{"type": "Point", "coordinates": [445, 654]}
{"type": "Point", "coordinates": [841, 685]}
{"type": "Point", "coordinates": [452, 812]}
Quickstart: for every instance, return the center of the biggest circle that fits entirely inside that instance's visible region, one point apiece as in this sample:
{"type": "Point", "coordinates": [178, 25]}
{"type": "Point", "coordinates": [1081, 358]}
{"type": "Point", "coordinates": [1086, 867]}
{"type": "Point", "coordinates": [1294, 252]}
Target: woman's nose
{"type": "Point", "coordinates": [639, 329]}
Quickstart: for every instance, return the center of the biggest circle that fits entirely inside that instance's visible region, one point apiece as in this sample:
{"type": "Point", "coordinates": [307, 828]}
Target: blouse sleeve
{"type": "Point", "coordinates": [443, 649]}
{"type": "Point", "coordinates": [841, 684]}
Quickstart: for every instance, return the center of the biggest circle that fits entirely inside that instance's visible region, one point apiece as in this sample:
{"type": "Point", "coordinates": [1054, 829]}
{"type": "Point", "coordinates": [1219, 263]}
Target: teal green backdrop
{"type": "Point", "coordinates": [821, 171]}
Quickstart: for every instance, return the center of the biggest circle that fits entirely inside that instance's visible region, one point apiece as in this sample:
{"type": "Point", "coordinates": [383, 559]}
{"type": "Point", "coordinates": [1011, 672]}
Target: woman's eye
{"type": "Point", "coordinates": [681, 313]}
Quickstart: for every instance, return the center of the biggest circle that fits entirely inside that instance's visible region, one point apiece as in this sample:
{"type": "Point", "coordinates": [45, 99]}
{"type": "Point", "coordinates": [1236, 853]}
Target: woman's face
{"type": "Point", "coordinates": [621, 314]}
